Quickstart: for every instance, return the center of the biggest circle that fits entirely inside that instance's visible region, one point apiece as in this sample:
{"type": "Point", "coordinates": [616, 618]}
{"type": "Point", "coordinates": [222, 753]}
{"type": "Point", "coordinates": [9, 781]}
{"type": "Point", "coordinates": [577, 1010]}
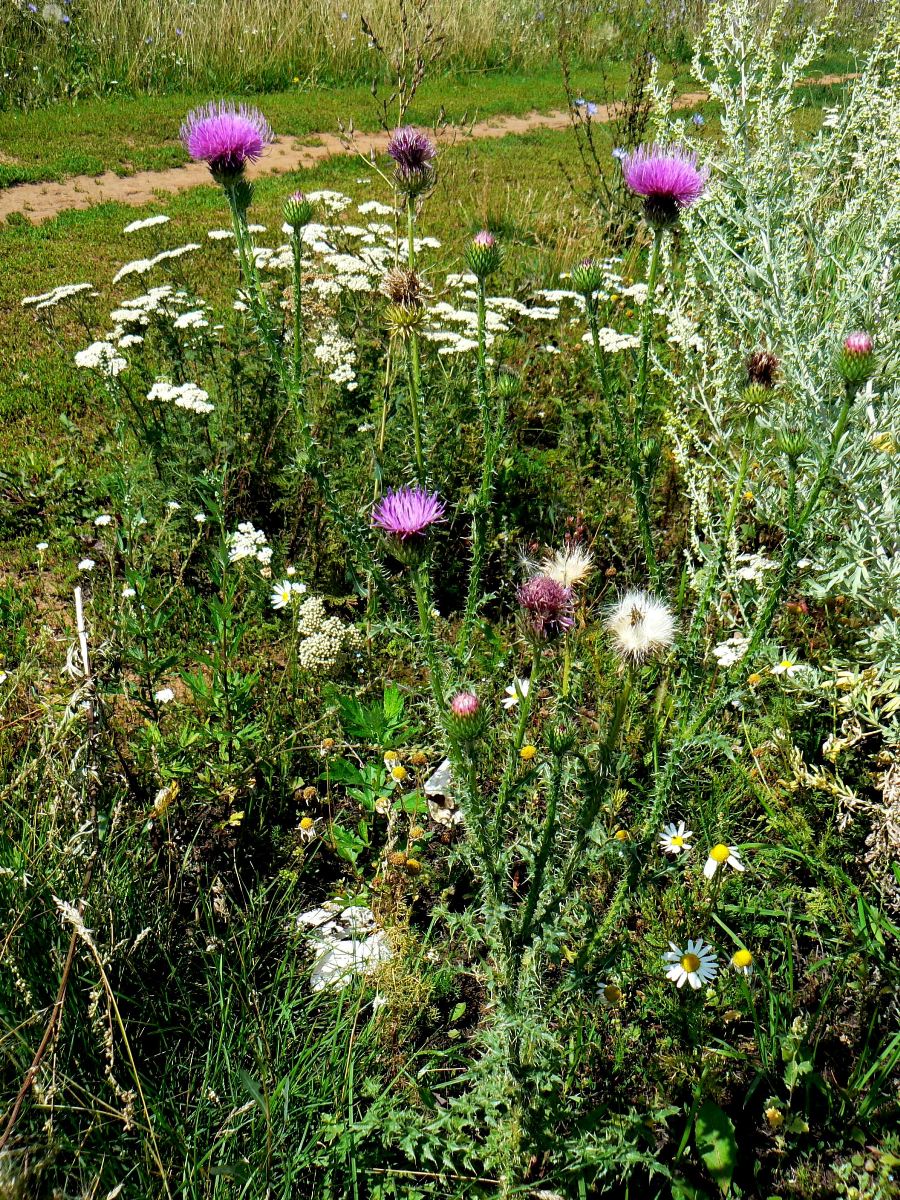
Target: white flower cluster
{"type": "Point", "coordinates": [146, 223]}
{"type": "Point", "coordinates": [337, 352]}
{"type": "Point", "coordinates": [247, 542]}
{"type": "Point", "coordinates": [141, 266]}
{"type": "Point", "coordinates": [731, 651]}
{"type": "Point", "coordinates": [326, 640]}
{"type": "Point", "coordinates": [612, 341]}
{"type": "Point", "coordinates": [195, 319]}
{"type": "Point", "coordinates": [56, 295]}
{"type": "Point", "coordinates": [182, 395]}
{"type": "Point", "coordinates": [334, 202]}
{"type": "Point", "coordinates": [754, 566]}
{"type": "Point", "coordinates": [101, 356]}
{"type": "Point", "coordinates": [376, 207]}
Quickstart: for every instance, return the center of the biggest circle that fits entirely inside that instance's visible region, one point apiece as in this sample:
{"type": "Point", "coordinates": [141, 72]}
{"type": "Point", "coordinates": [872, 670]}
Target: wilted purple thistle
{"type": "Point", "coordinates": [406, 512]}
{"type": "Point", "coordinates": [667, 177]}
{"type": "Point", "coordinates": [226, 137]}
{"type": "Point", "coordinates": [547, 605]}
{"type": "Point", "coordinates": [411, 149]}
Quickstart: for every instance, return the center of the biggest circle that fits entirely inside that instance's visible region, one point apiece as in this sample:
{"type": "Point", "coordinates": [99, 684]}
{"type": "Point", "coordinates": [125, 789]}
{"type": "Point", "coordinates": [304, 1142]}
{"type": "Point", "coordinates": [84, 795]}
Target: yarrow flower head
{"type": "Point", "coordinates": [641, 626]}
{"type": "Point", "coordinates": [667, 177]}
{"type": "Point", "coordinates": [413, 153]}
{"type": "Point", "coordinates": [406, 513]}
{"type": "Point", "coordinates": [546, 605]}
{"type": "Point", "coordinates": [226, 137]}
{"type": "Point", "coordinates": [696, 965]}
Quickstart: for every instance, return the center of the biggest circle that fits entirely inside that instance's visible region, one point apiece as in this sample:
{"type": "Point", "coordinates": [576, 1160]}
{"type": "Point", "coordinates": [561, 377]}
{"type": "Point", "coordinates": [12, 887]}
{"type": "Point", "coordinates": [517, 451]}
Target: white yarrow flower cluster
{"type": "Point", "coordinates": [731, 651]}
{"type": "Point", "coordinates": [182, 395]}
{"type": "Point", "coordinates": [247, 542]}
{"type": "Point", "coordinates": [56, 295]}
{"type": "Point", "coordinates": [337, 352]}
{"type": "Point", "coordinates": [612, 341]}
{"type": "Point", "coordinates": [146, 223]}
{"type": "Point", "coordinates": [103, 357]}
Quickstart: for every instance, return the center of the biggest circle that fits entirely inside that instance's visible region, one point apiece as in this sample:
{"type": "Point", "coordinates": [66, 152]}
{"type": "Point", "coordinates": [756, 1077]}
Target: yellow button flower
{"type": "Point", "coordinates": [527, 753]}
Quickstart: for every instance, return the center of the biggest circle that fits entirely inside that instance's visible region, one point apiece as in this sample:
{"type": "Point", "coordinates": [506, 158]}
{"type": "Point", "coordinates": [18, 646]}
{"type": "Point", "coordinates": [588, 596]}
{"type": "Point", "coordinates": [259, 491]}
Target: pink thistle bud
{"type": "Point", "coordinates": [854, 360]}
{"type": "Point", "coordinates": [858, 343]}
{"type": "Point", "coordinates": [465, 704]}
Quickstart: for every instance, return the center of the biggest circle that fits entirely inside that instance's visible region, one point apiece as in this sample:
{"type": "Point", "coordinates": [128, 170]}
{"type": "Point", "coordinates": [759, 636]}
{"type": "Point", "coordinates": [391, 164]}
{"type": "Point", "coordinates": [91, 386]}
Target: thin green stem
{"type": "Point", "coordinates": [512, 763]}
{"type": "Point", "coordinates": [297, 247]}
{"type": "Point", "coordinates": [640, 392]}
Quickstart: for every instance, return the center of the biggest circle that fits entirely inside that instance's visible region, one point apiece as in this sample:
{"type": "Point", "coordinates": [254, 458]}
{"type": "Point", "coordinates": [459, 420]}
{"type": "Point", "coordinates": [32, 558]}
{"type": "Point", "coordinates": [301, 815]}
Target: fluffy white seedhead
{"type": "Point", "coordinates": [641, 627]}
{"type": "Point", "coordinates": [569, 566]}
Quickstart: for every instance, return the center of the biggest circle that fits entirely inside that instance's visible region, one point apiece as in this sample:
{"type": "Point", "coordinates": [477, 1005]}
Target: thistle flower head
{"type": "Point", "coordinates": [667, 177]}
{"type": "Point", "coordinates": [546, 606]}
{"type": "Point", "coordinates": [855, 357]}
{"type": "Point", "coordinates": [569, 566]}
{"type": "Point", "coordinates": [297, 210]}
{"type": "Point", "coordinates": [402, 286]}
{"type": "Point", "coordinates": [465, 704]}
{"type": "Point", "coordinates": [762, 368]}
{"type": "Point", "coordinates": [641, 626]}
{"type": "Point", "coordinates": [587, 277]}
{"type": "Point", "coordinates": [406, 512]}
{"type": "Point", "coordinates": [411, 149]}
{"type": "Point", "coordinates": [226, 137]}
{"type": "Point", "coordinates": [483, 254]}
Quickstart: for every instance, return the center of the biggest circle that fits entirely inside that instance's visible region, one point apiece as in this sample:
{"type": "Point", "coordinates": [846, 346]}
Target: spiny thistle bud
{"type": "Point", "coordinates": [484, 254]}
{"type": "Point", "coordinates": [508, 385]}
{"type": "Point", "coordinates": [854, 361]}
{"type": "Point", "coordinates": [587, 277]}
{"type": "Point", "coordinates": [792, 444]}
{"type": "Point", "coordinates": [466, 718]}
{"type": "Point", "coordinates": [298, 211]}
{"type": "Point", "coordinates": [402, 286]}
{"type": "Point", "coordinates": [754, 398]}
{"type": "Point", "coordinates": [403, 320]}
{"type": "Point", "coordinates": [242, 191]}
{"type": "Point", "coordinates": [762, 368]}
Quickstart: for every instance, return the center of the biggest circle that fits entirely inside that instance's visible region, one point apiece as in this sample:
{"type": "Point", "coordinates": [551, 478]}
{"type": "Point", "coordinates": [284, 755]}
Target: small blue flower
{"type": "Point", "coordinates": [619, 153]}
{"type": "Point", "coordinates": [697, 118]}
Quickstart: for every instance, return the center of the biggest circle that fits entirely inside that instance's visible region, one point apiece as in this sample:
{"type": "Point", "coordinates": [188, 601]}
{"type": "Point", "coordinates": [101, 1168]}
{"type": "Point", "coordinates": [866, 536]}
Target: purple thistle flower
{"type": "Point", "coordinates": [858, 343]}
{"type": "Point", "coordinates": [226, 137]}
{"type": "Point", "coordinates": [485, 238]}
{"type": "Point", "coordinates": [465, 704]}
{"type": "Point", "coordinates": [406, 512]}
{"type": "Point", "coordinates": [411, 149]}
{"type": "Point", "coordinates": [547, 605]}
{"type": "Point", "coordinates": [667, 177]}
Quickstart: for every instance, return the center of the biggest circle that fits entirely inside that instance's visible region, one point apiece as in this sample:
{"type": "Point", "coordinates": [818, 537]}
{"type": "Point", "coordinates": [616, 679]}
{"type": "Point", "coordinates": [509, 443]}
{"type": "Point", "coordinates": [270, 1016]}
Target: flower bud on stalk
{"type": "Point", "coordinates": [855, 359]}
{"type": "Point", "coordinates": [467, 717]}
{"type": "Point", "coordinates": [413, 153]}
{"type": "Point", "coordinates": [587, 277]}
{"type": "Point", "coordinates": [484, 254]}
{"type": "Point", "coordinates": [297, 211]}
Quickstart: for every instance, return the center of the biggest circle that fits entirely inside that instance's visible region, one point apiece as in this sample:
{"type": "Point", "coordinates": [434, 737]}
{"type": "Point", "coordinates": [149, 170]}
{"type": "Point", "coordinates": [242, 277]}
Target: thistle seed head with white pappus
{"type": "Point", "coordinates": [641, 626]}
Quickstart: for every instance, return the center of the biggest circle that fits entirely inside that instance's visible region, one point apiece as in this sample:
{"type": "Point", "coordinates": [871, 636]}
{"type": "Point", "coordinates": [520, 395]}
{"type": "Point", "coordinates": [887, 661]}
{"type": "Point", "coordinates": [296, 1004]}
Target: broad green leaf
{"type": "Point", "coordinates": [716, 1143]}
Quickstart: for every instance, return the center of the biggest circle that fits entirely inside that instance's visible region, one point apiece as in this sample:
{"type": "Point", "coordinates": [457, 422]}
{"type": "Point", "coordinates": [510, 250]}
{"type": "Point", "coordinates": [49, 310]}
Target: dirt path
{"type": "Point", "coordinates": [41, 201]}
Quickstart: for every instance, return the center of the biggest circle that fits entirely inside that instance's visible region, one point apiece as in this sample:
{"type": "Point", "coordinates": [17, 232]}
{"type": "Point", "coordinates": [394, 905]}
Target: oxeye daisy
{"type": "Point", "coordinates": [695, 965]}
{"type": "Point", "coordinates": [518, 687]}
{"type": "Point", "coordinates": [307, 829]}
{"type": "Point", "coordinates": [668, 179]}
{"type": "Point", "coordinates": [675, 839]}
{"type": "Point", "coordinates": [641, 626]}
{"type": "Point", "coordinates": [282, 594]}
{"type": "Point", "coordinates": [786, 666]}
{"type": "Point", "coordinates": [719, 856]}
{"type": "Point", "coordinates": [610, 995]}
{"type": "Point", "coordinates": [226, 137]}
{"type": "Point", "coordinates": [742, 961]}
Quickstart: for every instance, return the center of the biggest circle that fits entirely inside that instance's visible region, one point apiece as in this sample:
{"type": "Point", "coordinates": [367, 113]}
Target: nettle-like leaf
{"type": "Point", "coordinates": [716, 1143]}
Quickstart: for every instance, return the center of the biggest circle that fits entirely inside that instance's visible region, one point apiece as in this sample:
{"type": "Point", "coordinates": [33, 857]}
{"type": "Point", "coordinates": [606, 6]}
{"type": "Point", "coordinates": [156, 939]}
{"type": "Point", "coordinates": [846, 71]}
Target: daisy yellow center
{"type": "Point", "coordinates": [398, 773]}
{"type": "Point", "coordinates": [307, 823]}
{"type": "Point", "coordinates": [743, 958]}
{"type": "Point", "coordinates": [677, 840]}
{"type": "Point", "coordinates": [612, 994]}
{"type": "Point", "coordinates": [786, 664]}
{"type": "Point", "coordinates": [621, 835]}
{"type": "Point", "coordinates": [690, 963]}
{"type": "Point", "coordinates": [720, 853]}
